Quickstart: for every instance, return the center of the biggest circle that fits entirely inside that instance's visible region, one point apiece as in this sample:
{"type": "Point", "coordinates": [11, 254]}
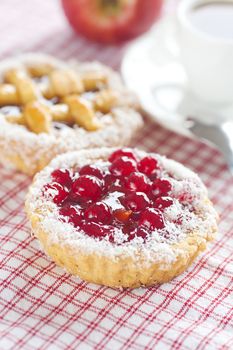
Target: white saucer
{"type": "Point", "coordinates": [152, 69]}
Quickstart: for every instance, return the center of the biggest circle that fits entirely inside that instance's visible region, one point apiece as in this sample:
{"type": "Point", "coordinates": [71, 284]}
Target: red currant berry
{"type": "Point", "coordinates": [112, 184]}
{"type": "Point", "coordinates": [109, 180]}
{"type": "Point", "coordinates": [137, 182]}
{"type": "Point", "coordinates": [91, 170]}
{"type": "Point", "coordinates": [57, 192]}
{"type": "Point", "coordinates": [152, 219]}
{"type": "Point", "coordinates": [120, 153]}
{"type": "Point", "coordinates": [87, 188]}
{"type": "Point", "coordinates": [67, 210]}
{"type": "Point", "coordinates": [161, 187]}
{"type": "Point", "coordinates": [111, 236]}
{"type": "Point", "coordinates": [75, 215]}
{"type": "Point", "coordinates": [142, 232]}
{"type": "Point", "coordinates": [98, 212]}
{"type": "Point", "coordinates": [130, 236]}
{"type": "Point", "coordinates": [148, 165]}
{"type": "Point", "coordinates": [62, 176]}
{"type": "Point", "coordinates": [163, 202]}
{"type": "Point", "coordinates": [135, 216]}
{"type": "Point", "coordinates": [96, 230]}
{"type": "Point", "coordinates": [129, 226]}
{"type": "Point", "coordinates": [123, 166]}
{"type": "Point", "coordinates": [136, 201]}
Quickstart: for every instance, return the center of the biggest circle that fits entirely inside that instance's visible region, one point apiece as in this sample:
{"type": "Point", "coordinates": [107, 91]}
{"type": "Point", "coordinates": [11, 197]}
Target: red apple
{"type": "Point", "coordinates": [111, 20]}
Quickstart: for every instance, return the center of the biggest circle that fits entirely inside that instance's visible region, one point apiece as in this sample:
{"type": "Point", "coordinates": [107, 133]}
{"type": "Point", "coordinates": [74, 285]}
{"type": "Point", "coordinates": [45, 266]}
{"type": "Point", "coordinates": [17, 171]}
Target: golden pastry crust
{"type": "Point", "coordinates": [40, 130]}
{"type": "Point", "coordinates": [123, 272]}
{"type": "Point", "coordinates": [118, 267]}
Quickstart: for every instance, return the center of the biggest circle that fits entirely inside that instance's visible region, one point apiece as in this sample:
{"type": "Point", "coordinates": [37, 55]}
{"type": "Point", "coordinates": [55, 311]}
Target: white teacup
{"type": "Point", "coordinates": [207, 57]}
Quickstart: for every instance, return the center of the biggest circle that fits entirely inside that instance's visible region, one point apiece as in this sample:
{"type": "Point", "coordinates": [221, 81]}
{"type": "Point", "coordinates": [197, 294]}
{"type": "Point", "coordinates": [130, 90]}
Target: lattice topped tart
{"type": "Point", "coordinates": [120, 217]}
{"type": "Point", "coordinates": [48, 107]}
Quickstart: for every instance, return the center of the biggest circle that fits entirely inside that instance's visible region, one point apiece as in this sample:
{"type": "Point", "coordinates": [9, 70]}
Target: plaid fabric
{"type": "Point", "coordinates": [41, 306]}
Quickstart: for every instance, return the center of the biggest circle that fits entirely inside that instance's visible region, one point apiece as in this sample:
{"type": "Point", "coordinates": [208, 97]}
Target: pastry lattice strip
{"type": "Point", "coordinates": [20, 89]}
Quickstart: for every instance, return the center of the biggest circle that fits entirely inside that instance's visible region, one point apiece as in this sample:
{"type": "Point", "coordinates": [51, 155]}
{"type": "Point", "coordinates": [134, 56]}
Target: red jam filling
{"type": "Point", "coordinates": [86, 197]}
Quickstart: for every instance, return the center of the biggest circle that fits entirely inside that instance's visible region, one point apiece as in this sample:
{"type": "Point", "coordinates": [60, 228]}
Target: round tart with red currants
{"type": "Point", "coordinates": [120, 217]}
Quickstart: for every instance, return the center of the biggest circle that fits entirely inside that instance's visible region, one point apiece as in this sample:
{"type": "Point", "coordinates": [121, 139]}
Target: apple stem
{"type": "Point", "coordinates": [110, 3]}
{"type": "Point", "coordinates": [110, 7]}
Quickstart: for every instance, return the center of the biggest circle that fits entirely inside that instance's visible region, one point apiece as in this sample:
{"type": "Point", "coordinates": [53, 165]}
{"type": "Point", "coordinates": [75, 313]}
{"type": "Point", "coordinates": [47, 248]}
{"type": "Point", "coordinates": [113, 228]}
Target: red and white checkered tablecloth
{"type": "Point", "coordinates": [41, 306]}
